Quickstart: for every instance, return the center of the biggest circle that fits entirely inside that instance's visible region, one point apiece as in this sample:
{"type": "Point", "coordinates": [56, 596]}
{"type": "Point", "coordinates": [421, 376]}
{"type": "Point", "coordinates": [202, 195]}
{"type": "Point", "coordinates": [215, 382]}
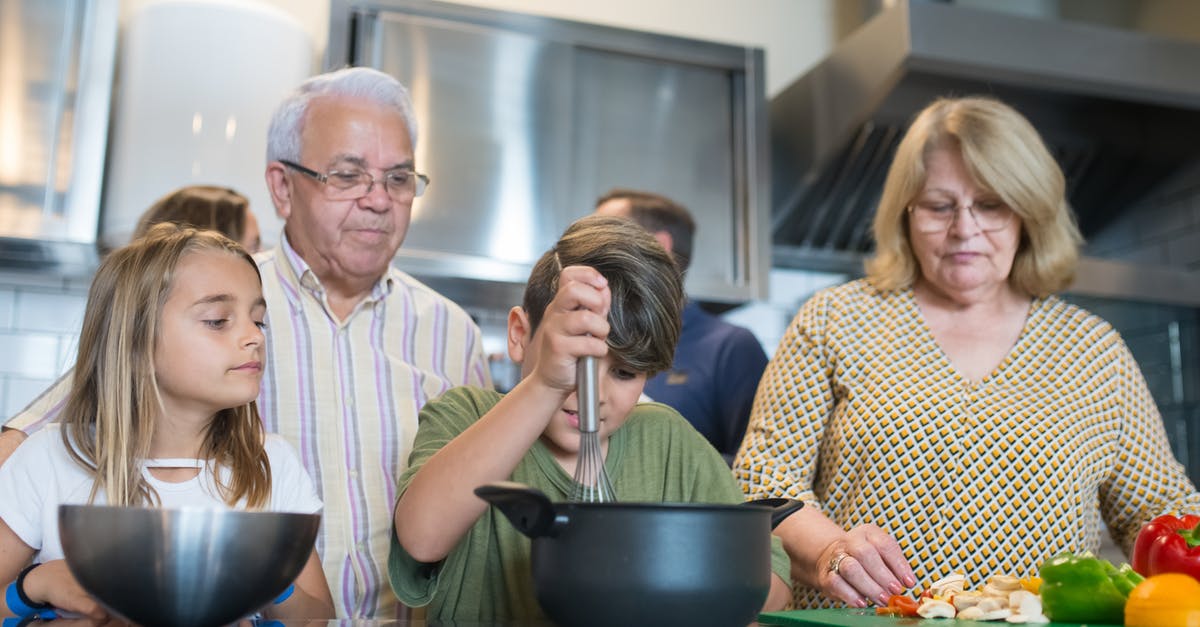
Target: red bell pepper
{"type": "Point", "coordinates": [1168, 545]}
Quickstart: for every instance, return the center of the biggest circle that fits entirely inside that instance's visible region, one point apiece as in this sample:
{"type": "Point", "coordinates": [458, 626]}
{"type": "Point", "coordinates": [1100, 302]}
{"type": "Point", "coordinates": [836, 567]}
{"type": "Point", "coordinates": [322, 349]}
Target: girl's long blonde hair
{"type": "Point", "coordinates": [114, 405]}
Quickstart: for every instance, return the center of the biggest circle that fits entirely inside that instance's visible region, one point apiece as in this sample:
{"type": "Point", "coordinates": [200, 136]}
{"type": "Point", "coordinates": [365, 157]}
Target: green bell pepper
{"type": "Point", "coordinates": [1085, 589]}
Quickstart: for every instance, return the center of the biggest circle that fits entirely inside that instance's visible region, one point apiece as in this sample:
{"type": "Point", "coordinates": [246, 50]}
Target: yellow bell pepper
{"type": "Point", "coordinates": [1167, 600]}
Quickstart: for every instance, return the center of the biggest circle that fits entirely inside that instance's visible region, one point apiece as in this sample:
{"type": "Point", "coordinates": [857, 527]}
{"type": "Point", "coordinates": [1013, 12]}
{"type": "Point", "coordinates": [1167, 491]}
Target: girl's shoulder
{"type": "Point", "coordinates": [43, 458]}
{"type": "Point", "coordinates": [279, 449]}
{"type": "Point", "coordinates": [45, 443]}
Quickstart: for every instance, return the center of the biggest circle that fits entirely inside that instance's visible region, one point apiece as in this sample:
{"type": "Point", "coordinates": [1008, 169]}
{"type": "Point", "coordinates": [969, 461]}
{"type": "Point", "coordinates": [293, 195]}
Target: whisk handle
{"type": "Point", "coordinates": [587, 382]}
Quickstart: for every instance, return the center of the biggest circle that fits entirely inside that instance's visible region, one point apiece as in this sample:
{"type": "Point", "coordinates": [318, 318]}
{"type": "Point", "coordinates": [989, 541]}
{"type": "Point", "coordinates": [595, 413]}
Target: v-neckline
{"type": "Point", "coordinates": [1035, 308]}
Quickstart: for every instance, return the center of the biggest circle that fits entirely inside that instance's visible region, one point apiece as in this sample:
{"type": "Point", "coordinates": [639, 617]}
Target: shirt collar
{"type": "Point", "coordinates": [309, 280]}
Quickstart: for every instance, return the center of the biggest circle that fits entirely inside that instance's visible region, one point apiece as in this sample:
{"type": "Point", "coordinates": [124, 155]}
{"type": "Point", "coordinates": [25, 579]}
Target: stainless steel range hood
{"type": "Point", "coordinates": [1120, 110]}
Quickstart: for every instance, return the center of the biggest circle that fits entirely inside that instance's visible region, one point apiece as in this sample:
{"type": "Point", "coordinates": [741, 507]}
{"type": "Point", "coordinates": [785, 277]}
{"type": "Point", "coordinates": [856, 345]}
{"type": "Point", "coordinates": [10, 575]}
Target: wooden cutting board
{"type": "Point", "coordinates": [868, 618]}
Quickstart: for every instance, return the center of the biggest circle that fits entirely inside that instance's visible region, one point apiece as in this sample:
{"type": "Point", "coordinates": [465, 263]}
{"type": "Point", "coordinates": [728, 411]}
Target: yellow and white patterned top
{"type": "Point", "coordinates": [861, 414]}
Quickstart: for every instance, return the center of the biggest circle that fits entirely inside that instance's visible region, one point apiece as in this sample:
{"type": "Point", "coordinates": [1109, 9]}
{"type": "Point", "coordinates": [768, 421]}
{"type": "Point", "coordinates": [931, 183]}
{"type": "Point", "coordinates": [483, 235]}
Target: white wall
{"type": "Point", "coordinates": [795, 34]}
{"type": "Point", "coordinates": [312, 13]}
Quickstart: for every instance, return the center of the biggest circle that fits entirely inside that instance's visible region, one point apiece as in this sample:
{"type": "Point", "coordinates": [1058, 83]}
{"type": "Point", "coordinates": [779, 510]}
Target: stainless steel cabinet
{"type": "Point", "coordinates": [525, 121]}
{"type": "Point", "coordinates": [56, 59]}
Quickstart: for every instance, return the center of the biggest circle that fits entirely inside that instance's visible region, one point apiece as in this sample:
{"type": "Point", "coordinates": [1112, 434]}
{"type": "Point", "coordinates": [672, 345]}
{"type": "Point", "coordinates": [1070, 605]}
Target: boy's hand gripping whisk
{"type": "Point", "coordinates": [591, 480]}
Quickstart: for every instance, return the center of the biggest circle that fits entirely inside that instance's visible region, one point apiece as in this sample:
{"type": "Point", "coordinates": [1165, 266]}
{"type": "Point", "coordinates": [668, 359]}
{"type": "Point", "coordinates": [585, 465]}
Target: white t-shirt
{"type": "Point", "coordinates": [41, 475]}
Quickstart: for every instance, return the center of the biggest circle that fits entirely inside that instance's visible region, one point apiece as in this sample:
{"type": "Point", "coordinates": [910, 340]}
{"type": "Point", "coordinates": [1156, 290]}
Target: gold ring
{"type": "Point", "coordinates": [835, 562]}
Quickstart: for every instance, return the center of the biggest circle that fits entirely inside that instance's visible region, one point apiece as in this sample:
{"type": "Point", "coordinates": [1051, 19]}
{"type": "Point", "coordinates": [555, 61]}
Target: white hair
{"type": "Point", "coordinates": [283, 136]}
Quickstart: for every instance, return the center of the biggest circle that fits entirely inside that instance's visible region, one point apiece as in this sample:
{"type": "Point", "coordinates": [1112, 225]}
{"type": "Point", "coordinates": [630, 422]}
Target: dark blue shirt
{"type": "Point", "coordinates": [714, 378]}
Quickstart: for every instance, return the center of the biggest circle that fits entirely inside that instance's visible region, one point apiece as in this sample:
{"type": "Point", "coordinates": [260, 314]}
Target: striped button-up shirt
{"type": "Point", "coordinates": [346, 394]}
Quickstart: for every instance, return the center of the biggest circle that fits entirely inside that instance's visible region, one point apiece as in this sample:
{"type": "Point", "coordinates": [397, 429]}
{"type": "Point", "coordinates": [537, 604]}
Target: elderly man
{"type": "Point", "coordinates": [355, 347]}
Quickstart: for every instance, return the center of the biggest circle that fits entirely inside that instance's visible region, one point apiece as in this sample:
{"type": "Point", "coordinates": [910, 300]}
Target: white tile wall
{"type": "Point", "coordinates": [40, 318]}
{"type": "Point", "coordinates": [6, 306]}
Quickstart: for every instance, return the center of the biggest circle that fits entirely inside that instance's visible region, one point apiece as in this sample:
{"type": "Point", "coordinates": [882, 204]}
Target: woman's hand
{"type": "Point", "coordinates": [53, 583]}
{"type": "Point", "coordinates": [864, 566]}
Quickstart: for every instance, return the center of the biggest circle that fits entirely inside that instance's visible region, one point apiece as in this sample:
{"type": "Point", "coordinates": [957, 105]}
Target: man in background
{"type": "Point", "coordinates": [717, 364]}
{"type": "Point", "coordinates": [354, 346]}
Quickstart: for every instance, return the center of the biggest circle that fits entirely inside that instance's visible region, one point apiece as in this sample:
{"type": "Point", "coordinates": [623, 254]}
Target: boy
{"type": "Point", "coordinates": [606, 289]}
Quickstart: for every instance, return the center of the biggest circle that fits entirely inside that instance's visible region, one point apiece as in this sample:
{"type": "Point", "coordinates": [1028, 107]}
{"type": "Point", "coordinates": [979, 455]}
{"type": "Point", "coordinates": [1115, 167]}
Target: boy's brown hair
{"type": "Point", "coordinates": [645, 282]}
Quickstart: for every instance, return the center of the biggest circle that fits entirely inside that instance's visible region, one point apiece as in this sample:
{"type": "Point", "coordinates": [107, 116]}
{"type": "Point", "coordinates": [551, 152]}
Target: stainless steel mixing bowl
{"type": "Point", "coordinates": [185, 567]}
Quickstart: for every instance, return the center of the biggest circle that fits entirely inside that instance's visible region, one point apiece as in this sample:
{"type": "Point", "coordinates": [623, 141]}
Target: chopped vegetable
{"type": "Point", "coordinates": [1085, 589]}
{"type": "Point", "coordinates": [899, 605]}
{"type": "Point", "coordinates": [1166, 600]}
{"type": "Point", "coordinates": [933, 608]}
{"type": "Point", "coordinates": [1168, 545]}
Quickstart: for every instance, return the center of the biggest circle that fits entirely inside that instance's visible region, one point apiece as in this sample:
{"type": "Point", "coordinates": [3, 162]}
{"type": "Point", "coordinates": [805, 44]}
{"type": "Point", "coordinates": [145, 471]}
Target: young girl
{"type": "Point", "coordinates": [161, 414]}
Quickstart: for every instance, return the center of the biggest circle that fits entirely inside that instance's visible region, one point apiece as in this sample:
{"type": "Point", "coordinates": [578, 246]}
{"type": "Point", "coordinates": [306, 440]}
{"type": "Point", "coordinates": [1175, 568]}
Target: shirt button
{"type": "Point", "coordinates": [353, 474]}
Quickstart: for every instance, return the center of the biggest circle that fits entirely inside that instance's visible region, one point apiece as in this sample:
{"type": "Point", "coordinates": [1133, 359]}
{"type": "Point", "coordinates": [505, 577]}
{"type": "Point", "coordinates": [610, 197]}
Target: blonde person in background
{"type": "Point", "coordinates": [949, 413]}
{"type": "Point", "coordinates": [354, 347]}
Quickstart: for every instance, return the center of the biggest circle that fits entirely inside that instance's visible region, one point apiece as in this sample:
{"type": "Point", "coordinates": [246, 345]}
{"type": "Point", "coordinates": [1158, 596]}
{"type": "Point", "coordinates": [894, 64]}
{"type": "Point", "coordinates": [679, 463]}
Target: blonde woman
{"type": "Point", "coordinates": [161, 413]}
{"type": "Point", "coordinates": [948, 413]}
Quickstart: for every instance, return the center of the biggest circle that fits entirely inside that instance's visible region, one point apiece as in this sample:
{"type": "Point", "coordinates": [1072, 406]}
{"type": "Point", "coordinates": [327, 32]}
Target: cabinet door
{"type": "Point", "coordinates": [662, 127]}
{"type": "Point", "coordinates": [525, 121]}
{"type": "Point", "coordinates": [494, 113]}
{"type": "Point", "coordinates": [55, 81]}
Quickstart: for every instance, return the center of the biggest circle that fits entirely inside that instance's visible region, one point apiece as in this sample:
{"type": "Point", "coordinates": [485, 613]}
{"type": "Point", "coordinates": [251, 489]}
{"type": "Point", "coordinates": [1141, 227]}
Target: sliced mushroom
{"type": "Point", "coordinates": [949, 585]}
{"type": "Point", "coordinates": [967, 599]}
{"type": "Point", "coordinates": [1000, 614]}
{"type": "Point", "coordinates": [933, 608]}
{"type": "Point", "coordinates": [991, 604]}
{"type": "Point", "coordinates": [1005, 582]}
{"type": "Point", "coordinates": [1025, 602]}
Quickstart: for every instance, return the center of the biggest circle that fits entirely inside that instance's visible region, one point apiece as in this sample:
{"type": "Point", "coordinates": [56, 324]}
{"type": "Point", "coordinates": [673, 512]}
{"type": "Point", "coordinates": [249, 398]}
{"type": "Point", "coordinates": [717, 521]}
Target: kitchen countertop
{"type": "Point", "coordinates": [340, 622]}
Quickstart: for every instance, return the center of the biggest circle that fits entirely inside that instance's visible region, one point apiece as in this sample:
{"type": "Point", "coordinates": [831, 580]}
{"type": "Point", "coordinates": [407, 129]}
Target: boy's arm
{"type": "Point", "coordinates": [778, 597]}
{"type": "Point", "coordinates": [440, 505]}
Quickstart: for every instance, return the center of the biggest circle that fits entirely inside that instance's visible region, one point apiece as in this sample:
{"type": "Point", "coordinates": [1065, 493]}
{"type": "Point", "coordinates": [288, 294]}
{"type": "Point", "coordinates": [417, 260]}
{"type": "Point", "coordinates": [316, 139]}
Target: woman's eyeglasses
{"type": "Point", "coordinates": [935, 216]}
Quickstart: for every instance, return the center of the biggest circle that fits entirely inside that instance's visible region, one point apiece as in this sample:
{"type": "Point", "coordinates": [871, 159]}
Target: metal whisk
{"type": "Point", "coordinates": [591, 480]}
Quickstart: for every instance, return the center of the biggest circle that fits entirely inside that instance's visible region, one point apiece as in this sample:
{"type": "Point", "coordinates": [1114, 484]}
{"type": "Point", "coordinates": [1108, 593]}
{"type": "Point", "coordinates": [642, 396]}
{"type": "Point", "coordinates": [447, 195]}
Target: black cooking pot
{"type": "Point", "coordinates": [630, 564]}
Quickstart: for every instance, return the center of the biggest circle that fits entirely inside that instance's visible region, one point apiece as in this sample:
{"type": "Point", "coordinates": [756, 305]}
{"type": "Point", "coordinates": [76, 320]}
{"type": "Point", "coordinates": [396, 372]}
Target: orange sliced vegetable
{"type": "Point", "coordinates": [1167, 600]}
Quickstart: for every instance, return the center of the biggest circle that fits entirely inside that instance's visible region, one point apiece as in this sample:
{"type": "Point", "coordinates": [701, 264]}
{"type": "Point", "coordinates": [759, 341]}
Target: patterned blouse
{"type": "Point", "coordinates": [861, 414]}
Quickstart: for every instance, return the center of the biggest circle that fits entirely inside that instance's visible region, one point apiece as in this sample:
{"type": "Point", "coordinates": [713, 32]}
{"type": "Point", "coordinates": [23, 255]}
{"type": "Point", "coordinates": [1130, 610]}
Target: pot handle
{"type": "Point", "coordinates": [527, 508]}
{"type": "Point", "coordinates": [781, 508]}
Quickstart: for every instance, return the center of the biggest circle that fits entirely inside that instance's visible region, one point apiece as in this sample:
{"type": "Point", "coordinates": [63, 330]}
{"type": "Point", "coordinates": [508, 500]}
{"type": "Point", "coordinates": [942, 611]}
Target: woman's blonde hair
{"type": "Point", "coordinates": [114, 404]}
{"type": "Point", "coordinates": [1003, 153]}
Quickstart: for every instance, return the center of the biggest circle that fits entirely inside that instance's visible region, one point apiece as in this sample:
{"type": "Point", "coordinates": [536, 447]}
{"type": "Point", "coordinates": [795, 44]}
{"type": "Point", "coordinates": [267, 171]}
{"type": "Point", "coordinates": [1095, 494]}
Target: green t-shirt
{"type": "Point", "coordinates": [656, 456]}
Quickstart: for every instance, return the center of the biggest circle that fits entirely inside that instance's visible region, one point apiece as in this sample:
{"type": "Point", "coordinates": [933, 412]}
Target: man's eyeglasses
{"type": "Point", "coordinates": [401, 184]}
{"type": "Point", "coordinates": [935, 216]}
